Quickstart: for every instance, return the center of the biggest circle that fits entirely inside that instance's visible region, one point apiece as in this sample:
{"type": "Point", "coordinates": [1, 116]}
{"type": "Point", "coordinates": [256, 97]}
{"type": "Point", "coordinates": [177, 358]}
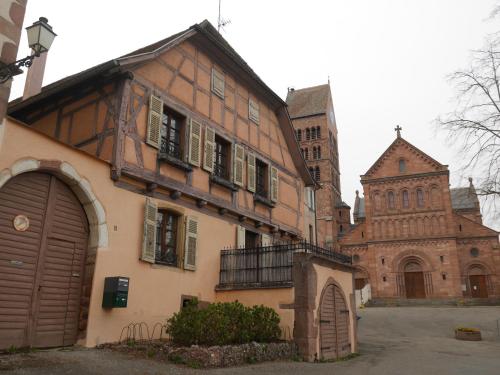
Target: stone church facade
{"type": "Point", "coordinates": [415, 237]}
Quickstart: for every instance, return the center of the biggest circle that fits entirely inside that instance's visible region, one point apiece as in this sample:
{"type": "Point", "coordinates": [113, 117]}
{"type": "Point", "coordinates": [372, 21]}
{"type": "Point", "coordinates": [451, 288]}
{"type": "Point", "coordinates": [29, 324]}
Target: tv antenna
{"type": "Point", "coordinates": [221, 22]}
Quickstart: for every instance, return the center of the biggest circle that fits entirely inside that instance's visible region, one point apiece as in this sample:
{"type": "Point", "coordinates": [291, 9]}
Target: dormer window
{"type": "Point", "coordinates": [402, 166]}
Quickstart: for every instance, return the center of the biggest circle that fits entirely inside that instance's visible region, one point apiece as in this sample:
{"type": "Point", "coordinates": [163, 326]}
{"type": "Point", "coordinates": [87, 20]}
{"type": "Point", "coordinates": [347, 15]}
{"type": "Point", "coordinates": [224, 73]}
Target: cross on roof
{"type": "Point", "coordinates": [398, 130]}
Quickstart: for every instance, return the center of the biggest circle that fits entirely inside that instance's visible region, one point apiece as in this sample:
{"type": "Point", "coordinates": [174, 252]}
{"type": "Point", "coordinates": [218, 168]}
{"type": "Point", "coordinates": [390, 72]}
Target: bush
{"type": "Point", "coordinates": [223, 324]}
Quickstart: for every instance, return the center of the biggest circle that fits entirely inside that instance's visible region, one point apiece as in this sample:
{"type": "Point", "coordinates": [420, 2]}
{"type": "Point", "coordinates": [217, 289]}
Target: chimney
{"type": "Point", "coordinates": [34, 78]}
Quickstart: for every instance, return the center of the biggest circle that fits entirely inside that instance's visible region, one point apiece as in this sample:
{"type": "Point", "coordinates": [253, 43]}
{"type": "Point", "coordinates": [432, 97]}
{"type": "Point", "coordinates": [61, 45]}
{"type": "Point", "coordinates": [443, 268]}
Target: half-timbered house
{"type": "Point", "coordinates": [145, 167]}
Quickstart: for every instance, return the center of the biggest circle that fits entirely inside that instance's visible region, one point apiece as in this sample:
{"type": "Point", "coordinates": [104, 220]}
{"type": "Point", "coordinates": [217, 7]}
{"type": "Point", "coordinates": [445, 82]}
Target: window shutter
{"type": "Point", "coordinates": [273, 188]}
{"type": "Point", "coordinates": [266, 240]}
{"type": "Point", "coordinates": [218, 83]}
{"type": "Point", "coordinates": [240, 237]}
{"type": "Point", "coordinates": [209, 155]}
{"type": "Point", "coordinates": [251, 172]}
{"type": "Point", "coordinates": [239, 159]}
{"type": "Point", "coordinates": [154, 121]}
{"type": "Point", "coordinates": [191, 244]}
{"type": "Point", "coordinates": [194, 143]}
{"type": "Point", "coordinates": [253, 111]}
{"type": "Point", "coordinates": [149, 239]}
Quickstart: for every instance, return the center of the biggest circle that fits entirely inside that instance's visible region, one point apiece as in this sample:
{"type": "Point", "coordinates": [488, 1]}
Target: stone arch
{"type": "Point", "coordinates": [476, 264]}
{"type": "Point", "coordinates": [96, 216]}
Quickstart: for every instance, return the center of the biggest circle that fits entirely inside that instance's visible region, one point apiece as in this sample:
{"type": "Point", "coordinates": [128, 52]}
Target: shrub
{"type": "Point", "coordinates": [223, 324]}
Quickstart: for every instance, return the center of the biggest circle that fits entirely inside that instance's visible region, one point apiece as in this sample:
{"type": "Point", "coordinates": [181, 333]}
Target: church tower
{"type": "Point", "coordinates": [313, 117]}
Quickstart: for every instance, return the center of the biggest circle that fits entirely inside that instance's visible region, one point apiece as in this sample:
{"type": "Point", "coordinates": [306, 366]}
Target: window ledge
{"type": "Point", "coordinates": [263, 200]}
{"type": "Point", "coordinates": [174, 161]}
{"type": "Point", "coordinates": [223, 182]}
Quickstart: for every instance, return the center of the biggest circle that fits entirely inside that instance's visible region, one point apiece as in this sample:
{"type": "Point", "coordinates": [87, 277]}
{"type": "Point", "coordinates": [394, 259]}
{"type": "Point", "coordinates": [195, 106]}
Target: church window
{"type": "Point", "coordinates": [355, 258]}
{"type": "Point", "coordinates": [299, 135]}
{"type": "Point", "coordinates": [420, 198]}
{"type": "Point", "coordinates": [460, 227]}
{"type": "Point", "coordinates": [406, 199]}
{"type": "Point", "coordinates": [308, 134]}
{"type": "Point", "coordinates": [362, 234]}
{"type": "Point", "coordinates": [384, 279]}
{"type": "Point", "coordinates": [341, 228]}
{"type": "Point", "coordinates": [314, 153]}
{"type": "Point", "coordinates": [391, 200]}
{"type": "Point", "coordinates": [444, 276]}
{"type": "Point", "coordinates": [317, 175]}
{"type": "Point", "coordinates": [474, 252]}
{"type": "Point", "coordinates": [383, 260]}
{"type": "Point", "coordinates": [441, 258]}
{"type": "Point", "coordinates": [313, 133]}
{"type": "Point", "coordinates": [318, 132]}
{"type": "Point", "coordinates": [318, 152]}
{"type": "Point", "coordinates": [402, 165]}
{"type": "Point", "coordinates": [306, 154]}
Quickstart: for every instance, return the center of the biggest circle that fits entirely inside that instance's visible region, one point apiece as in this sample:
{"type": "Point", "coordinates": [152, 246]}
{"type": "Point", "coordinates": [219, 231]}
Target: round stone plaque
{"type": "Point", "coordinates": [21, 223]}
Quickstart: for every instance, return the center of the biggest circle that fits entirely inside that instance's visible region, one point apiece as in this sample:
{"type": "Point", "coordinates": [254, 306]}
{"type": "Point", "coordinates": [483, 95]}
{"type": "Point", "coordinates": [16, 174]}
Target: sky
{"type": "Point", "coordinates": [387, 60]}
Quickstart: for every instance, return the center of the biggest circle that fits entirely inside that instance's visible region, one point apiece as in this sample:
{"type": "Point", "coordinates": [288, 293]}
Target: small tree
{"type": "Point", "coordinates": [475, 123]}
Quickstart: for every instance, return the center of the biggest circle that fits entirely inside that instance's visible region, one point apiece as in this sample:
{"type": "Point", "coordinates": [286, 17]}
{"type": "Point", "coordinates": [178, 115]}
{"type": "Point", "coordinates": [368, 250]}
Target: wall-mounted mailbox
{"type": "Point", "coordinates": [115, 292]}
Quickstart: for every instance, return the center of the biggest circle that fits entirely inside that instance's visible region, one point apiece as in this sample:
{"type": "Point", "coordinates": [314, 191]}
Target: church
{"type": "Point", "coordinates": [414, 237]}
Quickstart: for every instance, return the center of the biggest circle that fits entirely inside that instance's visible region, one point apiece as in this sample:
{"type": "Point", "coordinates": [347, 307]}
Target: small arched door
{"type": "Point", "coordinates": [43, 242]}
{"type": "Point", "coordinates": [334, 324]}
{"type": "Point", "coordinates": [477, 282]}
{"type": "Point", "coordinates": [414, 280]}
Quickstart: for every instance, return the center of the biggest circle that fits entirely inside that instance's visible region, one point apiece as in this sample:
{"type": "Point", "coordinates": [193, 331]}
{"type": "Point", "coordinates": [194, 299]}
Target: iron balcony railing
{"type": "Point", "coordinates": [267, 265]}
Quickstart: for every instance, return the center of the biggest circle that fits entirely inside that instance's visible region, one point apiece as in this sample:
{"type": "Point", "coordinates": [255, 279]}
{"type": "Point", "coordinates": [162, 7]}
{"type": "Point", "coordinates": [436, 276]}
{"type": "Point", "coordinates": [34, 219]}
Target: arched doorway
{"type": "Point", "coordinates": [43, 244]}
{"type": "Point", "coordinates": [334, 324]}
{"type": "Point", "coordinates": [414, 280]}
{"type": "Point", "coordinates": [478, 282]}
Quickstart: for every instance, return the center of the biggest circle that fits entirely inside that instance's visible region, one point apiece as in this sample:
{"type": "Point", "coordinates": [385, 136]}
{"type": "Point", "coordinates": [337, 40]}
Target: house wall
{"type": "Point", "coordinates": [181, 77]}
{"type": "Point", "coordinates": [281, 300]}
{"type": "Point", "coordinates": [156, 291]}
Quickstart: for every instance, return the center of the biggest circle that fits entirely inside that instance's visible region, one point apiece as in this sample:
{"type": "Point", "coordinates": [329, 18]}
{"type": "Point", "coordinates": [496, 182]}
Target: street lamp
{"type": "Point", "coordinates": [40, 38]}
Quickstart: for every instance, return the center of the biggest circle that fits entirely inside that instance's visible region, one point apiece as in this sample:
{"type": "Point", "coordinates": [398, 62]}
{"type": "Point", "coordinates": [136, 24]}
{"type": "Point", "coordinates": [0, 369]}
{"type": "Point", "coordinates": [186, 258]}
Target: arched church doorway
{"type": "Point", "coordinates": [414, 280]}
{"type": "Point", "coordinates": [477, 282]}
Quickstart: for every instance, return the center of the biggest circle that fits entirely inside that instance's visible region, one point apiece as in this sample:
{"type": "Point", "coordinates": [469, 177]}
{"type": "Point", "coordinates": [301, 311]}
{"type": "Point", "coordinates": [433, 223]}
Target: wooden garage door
{"type": "Point", "coordinates": [41, 268]}
{"type": "Point", "coordinates": [334, 324]}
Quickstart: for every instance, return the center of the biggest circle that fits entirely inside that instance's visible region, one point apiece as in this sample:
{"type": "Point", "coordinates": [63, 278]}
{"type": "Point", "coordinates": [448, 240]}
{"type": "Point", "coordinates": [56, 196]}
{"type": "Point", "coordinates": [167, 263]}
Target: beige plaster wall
{"type": "Point", "coordinates": [345, 281]}
{"type": "Point", "coordinates": [280, 300]}
{"type": "Point", "coordinates": [155, 291]}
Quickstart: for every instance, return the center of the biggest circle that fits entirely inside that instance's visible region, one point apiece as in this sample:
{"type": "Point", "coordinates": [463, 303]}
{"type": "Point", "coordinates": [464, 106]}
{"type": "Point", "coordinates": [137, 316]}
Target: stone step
{"type": "Point", "coordinates": [391, 302]}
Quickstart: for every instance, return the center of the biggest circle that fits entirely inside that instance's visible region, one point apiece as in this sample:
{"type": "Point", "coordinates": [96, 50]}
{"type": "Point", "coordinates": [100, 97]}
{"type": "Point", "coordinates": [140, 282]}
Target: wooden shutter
{"type": "Point", "coordinates": [191, 244]}
{"type": "Point", "coordinates": [238, 164]}
{"type": "Point", "coordinates": [253, 111]}
{"type": "Point", "coordinates": [209, 155]}
{"type": "Point", "coordinates": [273, 184]}
{"type": "Point", "coordinates": [154, 121]}
{"type": "Point", "coordinates": [240, 237]}
{"type": "Point", "coordinates": [266, 240]}
{"type": "Point", "coordinates": [218, 83]}
{"type": "Point", "coordinates": [251, 173]}
{"type": "Point", "coordinates": [149, 239]}
{"type": "Point", "coordinates": [194, 154]}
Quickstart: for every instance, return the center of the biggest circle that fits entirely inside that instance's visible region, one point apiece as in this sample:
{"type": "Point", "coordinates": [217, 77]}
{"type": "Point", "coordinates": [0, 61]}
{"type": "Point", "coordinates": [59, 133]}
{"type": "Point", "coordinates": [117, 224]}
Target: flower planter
{"type": "Point", "coordinates": [468, 334]}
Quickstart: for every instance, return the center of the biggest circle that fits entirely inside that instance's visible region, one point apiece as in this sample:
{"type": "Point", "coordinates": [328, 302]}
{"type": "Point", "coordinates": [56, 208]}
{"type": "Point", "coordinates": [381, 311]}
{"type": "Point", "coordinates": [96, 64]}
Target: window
{"type": "Point", "coordinates": [299, 135]}
{"type": "Point", "coordinates": [391, 200]}
{"type": "Point", "coordinates": [318, 132]}
{"type": "Point", "coordinates": [313, 133]}
{"type": "Point", "coordinates": [251, 239]}
{"type": "Point", "coordinates": [166, 237]}
{"type": "Point", "coordinates": [444, 276]}
{"type": "Point", "coordinates": [406, 199]}
{"type": "Point", "coordinates": [318, 152]}
{"type": "Point", "coordinates": [420, 198]}
{"type": "Point", "coordinates": [171, 134]}
{"type": "Point", "coordinates": [253, 111]}
{"type": "Point", "coordinates": [218, 83]}
{"type": "Point", "coordinates": [222, 152]}
{"type": "Point", "coordinates": [384, 279]}
{"type": "Point", "coordinates": [474, 252]}
{"type": "Point", "coordinates": [311, 171]}
{"type": "Point", "coordinates": [315, 153]}
{"type": "Point", "coordinates": [311, 234]}
{"type": "Point", "coordinates": [402, 165]}
{"type": "Point", "coordinates": [341, 229]}
{"type": "Point", "coordinates": [441, 258]}
{"type": "Point", "coordinates": [317, 174]}
{"type": "Point", "coordinates": [306, 154]}
{"type": "Point", "coordinates": [308, 134]}
{"type": "Point", "coordinates": [355, 258]}
{"type": "Point", "coordinates": [383, 260]}
{"type": "Point", "coordinates": [262, 175]}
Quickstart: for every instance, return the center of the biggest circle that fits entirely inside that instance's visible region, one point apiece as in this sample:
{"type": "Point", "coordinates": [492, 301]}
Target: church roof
{"type": "Point", "coordinates": [463, 198]}
{"type": "Point", "coordinates": [309, 101]}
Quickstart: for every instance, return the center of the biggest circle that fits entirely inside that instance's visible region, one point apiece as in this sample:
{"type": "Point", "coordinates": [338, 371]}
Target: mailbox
{"type": "Point", "coordinates": [115, 292]}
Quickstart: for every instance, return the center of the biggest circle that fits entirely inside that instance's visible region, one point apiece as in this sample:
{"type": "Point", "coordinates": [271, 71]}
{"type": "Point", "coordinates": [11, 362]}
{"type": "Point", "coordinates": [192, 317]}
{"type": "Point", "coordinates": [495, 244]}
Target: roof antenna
{"type": "Point", "coordinates": [221, 22]}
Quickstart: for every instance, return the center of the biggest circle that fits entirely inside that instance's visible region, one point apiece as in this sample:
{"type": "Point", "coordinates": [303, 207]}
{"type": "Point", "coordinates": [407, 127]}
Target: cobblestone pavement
{"type": "Point", "coordinates": [405, 340]}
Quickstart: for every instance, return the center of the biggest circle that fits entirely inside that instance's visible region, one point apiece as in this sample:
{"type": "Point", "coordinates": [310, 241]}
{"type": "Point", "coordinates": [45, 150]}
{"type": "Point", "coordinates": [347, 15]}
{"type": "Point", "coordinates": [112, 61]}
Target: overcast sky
{"type": "Point", "coordinates": [387, 59]}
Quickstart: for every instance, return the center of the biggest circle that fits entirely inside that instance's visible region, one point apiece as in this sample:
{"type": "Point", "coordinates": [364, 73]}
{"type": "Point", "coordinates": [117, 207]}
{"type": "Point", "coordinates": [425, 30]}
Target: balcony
{"type": "Point", "coordinates": [267, 266]}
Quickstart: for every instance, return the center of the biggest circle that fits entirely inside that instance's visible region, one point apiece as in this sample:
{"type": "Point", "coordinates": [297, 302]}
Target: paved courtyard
{"type": "Point", "coordinates": [399, 341]}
